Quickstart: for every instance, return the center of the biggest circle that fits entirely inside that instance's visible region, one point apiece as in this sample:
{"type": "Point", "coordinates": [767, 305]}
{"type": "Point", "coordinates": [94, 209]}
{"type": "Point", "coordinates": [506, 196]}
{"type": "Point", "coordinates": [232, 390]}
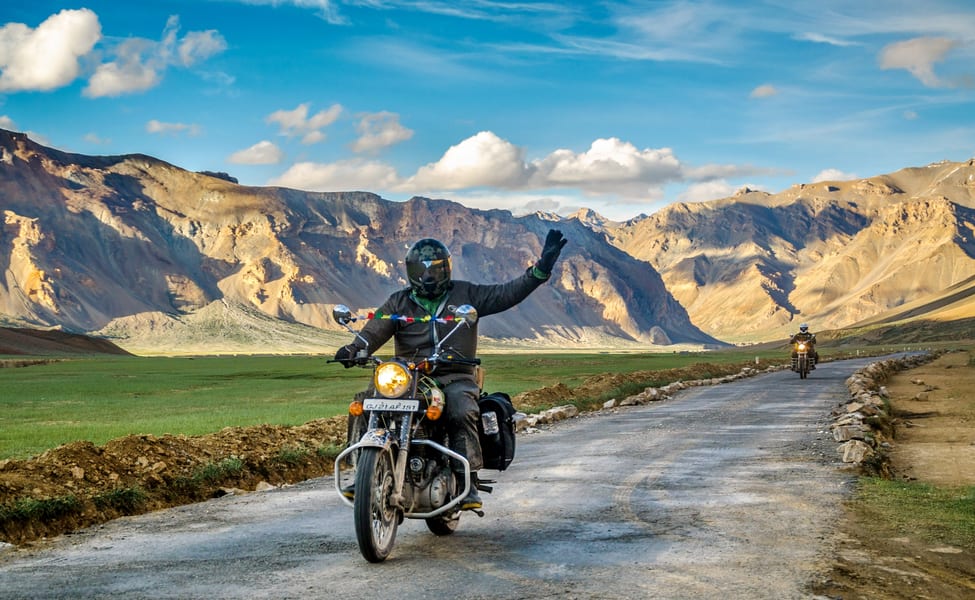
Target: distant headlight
{"type": "Point", "coordinates": [392, 379]}
{"type": "Point", "coordinates": [802, 347]}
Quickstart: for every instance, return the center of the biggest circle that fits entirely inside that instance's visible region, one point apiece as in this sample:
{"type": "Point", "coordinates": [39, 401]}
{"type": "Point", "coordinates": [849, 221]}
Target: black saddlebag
{"type": "Point", "coordinates": [498, 447]}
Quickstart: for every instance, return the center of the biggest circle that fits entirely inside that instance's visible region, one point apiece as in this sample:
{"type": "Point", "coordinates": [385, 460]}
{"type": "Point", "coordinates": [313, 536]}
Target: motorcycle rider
{"type": "Point", "coordinates": [804, 335]}
{"type": "Point", "coordinates": [431, 291]}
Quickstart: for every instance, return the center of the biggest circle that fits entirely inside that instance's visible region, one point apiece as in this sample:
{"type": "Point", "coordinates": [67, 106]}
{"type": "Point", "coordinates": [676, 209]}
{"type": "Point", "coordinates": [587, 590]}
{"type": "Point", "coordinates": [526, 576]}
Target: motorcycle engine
{"type": "Point", "coordinates": [439, 489]}
{"type": "Point", "coordinates": [431, 484]}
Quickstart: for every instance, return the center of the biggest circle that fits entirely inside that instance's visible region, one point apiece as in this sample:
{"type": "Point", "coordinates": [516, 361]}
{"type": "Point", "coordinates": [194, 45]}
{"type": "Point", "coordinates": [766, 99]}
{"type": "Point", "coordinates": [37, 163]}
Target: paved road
{"type": "Point", "coordinates": [726, 491]}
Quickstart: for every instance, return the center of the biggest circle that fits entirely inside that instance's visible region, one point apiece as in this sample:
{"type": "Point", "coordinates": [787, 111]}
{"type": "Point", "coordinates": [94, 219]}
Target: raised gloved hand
{"type": "Point", "coordinates": [554, 242]}
{"type": "Point", "coordinates": [346, 355]}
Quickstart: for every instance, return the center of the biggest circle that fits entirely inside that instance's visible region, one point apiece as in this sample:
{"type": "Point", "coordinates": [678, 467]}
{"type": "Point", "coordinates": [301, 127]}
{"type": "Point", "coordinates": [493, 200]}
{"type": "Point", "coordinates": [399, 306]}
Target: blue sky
{"type": "Point", "coordinates": [621, 106]}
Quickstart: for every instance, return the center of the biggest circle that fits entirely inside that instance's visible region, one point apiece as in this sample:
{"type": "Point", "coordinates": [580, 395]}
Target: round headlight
{"type": "Point", "coordinates": [392, 379]}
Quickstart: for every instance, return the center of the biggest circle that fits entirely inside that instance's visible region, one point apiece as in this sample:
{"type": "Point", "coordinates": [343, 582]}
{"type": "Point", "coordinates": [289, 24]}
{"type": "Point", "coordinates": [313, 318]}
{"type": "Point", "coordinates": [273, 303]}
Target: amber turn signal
{"type": "Point", "coordinates": [355, 408]}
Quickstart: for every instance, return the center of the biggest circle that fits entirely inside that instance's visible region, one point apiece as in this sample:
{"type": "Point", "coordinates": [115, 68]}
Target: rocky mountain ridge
{"type": "Point", "coordinates": [148, 253]}
{"type": "Point", "coordinates": [751, 267]}
{"type": "Point", "coordinates": [160, 259]}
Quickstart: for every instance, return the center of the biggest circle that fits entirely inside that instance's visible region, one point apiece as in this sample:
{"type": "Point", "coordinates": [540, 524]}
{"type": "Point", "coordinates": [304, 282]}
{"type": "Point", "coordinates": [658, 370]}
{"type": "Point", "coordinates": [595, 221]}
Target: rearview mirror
{"type": "Point", "coordinates": [466, 313]}
{"type": "Point", "coordinates": [342, 314]}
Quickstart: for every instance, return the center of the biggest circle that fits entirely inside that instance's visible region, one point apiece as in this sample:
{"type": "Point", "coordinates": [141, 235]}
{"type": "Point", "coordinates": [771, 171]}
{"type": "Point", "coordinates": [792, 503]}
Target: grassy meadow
{"type": "Point", "coordinates": [57, 400]}
{"type": "Point", "coordinates": [53, 402]}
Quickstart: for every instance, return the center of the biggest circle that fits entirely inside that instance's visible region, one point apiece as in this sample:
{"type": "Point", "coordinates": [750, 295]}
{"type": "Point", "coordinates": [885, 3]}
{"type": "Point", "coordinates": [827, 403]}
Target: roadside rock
{"type": "Point", "coordinates": [863, 423]}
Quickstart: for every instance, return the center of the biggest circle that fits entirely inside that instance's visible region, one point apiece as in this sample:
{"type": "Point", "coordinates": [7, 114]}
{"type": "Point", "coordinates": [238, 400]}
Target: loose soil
{"type": "Point", "coordinates": [934, 417]}
{"type": "Point", "coordinates": [935, 442]}
{"type": "Point", "coordinates": [84, 484]}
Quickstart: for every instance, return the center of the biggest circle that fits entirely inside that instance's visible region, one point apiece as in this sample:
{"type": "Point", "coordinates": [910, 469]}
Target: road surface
{"type": "Point", "coordinates": [726, 491]}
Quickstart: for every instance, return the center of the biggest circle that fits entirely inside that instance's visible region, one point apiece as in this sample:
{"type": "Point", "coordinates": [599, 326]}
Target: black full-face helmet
{"type": "Point", "coordinates": [428, 268]}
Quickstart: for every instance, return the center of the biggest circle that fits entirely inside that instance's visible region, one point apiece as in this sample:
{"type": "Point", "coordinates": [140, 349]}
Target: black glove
{"type": "Point", "coordinates": [550, 253]}
{"type": "Point", "coordinates": [346, 355]}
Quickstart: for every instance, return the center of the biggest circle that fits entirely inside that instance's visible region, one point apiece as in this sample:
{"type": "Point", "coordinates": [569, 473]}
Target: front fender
{"type": "Point", "coordinates": [374, 438]}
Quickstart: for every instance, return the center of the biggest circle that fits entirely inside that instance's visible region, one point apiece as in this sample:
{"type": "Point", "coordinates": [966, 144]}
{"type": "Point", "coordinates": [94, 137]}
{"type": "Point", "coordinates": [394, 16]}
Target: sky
{"type": "Point", "coordinates": [622, 106]}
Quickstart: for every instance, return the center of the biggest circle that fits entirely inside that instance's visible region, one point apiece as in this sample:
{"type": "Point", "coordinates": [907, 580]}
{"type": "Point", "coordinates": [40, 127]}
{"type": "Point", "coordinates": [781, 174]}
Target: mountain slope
{"type": "Point", "coordinates": [129, 244]}
{"type": "Point", "coordinates": [752, 266]}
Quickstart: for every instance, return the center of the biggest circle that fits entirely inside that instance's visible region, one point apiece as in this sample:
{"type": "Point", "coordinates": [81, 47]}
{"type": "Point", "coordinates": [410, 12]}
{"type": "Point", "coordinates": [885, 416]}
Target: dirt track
{"type": "Point", "coordinates": [727, 491]}
{"type": "Point", "coordinates": [871, 561]}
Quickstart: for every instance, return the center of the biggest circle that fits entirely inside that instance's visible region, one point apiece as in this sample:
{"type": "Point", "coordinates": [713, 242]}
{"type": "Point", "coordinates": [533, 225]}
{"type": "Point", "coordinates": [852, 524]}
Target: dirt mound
{"type": "Point", "coordinates": [38, 342]}
{"type": "Point", "coordinates": [80, 484]}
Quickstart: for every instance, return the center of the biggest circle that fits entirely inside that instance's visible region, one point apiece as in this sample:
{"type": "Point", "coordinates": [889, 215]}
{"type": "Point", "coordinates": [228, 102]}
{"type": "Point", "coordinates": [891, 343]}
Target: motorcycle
{"type": "Point", "coordinates": [400, 461]}
{"type": "Point", "coordinates": [800, 362]}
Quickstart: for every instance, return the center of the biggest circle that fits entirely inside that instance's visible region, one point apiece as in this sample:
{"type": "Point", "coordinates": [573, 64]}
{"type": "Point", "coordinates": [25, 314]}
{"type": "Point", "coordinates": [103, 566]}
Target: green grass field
{"type": "Point", "coordinates": [101, 398]}
{"type": "Point", "coordinates": [57, 401]}
{"type": "Point", "coordinates": [935, 513]}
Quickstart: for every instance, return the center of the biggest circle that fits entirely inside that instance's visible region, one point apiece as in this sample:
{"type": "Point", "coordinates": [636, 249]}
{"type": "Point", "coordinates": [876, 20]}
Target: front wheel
{"type": "Point", "coordinates": [803, 367]}
{"type": "Point", "coordinates": [444, 525]}
{"type": "Point", "coordinates": [375, 519]}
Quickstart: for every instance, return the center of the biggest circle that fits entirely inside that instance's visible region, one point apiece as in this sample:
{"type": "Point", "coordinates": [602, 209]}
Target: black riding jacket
{"type": "Point", "coordinates": [804, 337]}
{"type": "Point", "coordinates": [417, 339]}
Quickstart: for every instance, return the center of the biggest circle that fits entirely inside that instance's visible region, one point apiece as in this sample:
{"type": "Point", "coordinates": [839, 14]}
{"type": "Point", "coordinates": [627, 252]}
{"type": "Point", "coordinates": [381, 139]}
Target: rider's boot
{"type": "Point", "coordinates": [471, 501]}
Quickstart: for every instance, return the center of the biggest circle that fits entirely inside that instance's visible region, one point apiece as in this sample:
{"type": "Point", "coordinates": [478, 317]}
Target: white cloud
{"type": "Point", "coordinates": [707, 190]}
{"type": "Point", "coordinates": [764, 91]}
{"type": "Point", "coordinates": [7, 123]}
{"type": "Point", "coordinates": [129, 72]}
{"type": "Point", "coordinates": [326, 8]}
{"type": "Point", "coordinates": [609, 166]}
{"type": "Point", "coordinates": [346, 175]}
{"type": "Point", "coordinates": [819, 38]}
{"type": "Point", "coordinates": [833, 175]}
{"type": "Point", "coordinates": [483, 171]}
{"type": "Point", "coordinates": [380, 130]}
{"type": "Point", "coordinates": [517, 203]}
{"type": "Point", "coordinates": [481, 160]}
{"type": "Point", "coordinates": [94, 138]}
{"type": "Point", "coordinates": [160, 127]}
{"type": "Point", "coordinates": [261, 153]}
{"type": "Point", "coordinates": [296, 122]}
{"type": "Point", "coordinates": [197, 46]}
{"type": "Point", "coordinates": [140, 63]}
{"type": "Point", "coordinates": [313, 137]}
{"type": "Point", "coordinates": [918, 57]}
{"type": "Point", "coordinates": [47, 57]}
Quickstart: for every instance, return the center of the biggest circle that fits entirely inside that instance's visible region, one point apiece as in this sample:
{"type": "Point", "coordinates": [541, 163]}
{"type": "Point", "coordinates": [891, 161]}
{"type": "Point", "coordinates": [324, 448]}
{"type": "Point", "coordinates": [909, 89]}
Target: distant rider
{"type": "Point", "coordinates": [430, 293]}
{"type": "Point", "coordinates": [805, 335]}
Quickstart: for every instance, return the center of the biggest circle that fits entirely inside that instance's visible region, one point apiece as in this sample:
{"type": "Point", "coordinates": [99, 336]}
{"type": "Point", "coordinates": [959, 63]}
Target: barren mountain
{"type": "Point", "coordinates": [162, 259]}
{"type": "Point", "coordinates": [165, 260]}
{"type": "Point", "coordinates": [751, 267]}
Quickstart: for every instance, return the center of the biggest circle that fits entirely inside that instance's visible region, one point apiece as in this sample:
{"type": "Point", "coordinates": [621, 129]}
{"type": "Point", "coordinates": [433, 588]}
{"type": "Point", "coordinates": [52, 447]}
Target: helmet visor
{"type": "Point", "coordinates": [429, 277]}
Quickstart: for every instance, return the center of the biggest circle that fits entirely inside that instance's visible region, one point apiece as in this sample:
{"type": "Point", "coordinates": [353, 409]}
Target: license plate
{"type": "Point", "coordinates": [391, 404]}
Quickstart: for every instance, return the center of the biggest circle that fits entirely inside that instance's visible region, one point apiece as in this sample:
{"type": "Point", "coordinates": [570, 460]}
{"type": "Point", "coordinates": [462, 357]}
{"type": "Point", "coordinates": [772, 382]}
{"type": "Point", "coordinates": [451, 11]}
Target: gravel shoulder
{"type": "Point", "coordinates": [934, 410]}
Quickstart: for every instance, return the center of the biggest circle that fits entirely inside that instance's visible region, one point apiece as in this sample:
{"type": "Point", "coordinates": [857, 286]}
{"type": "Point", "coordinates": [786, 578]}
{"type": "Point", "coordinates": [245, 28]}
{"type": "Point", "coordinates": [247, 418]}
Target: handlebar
{"type": "Point", "coordinates": [472, 362]}
{"type": "Point", "coordinates": [465, 315]}
{"type": "Point", "coordinates": [445, 360]}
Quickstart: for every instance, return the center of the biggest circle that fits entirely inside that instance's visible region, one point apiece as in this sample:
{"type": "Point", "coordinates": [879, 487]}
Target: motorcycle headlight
{"type": "Point", "coordinates": [391, 379]}
{"type": "Point", "coordinates": [802, 347]}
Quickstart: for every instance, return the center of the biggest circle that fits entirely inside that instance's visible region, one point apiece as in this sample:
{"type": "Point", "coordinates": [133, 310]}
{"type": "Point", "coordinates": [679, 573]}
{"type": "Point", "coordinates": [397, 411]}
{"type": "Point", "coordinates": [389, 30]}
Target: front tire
{"type": "Point", "coordinates": [375, 519]}
{"type": "Point", "coordinates": [803, 367]}
{"type": "Point", "coordinates": [444, 525]}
